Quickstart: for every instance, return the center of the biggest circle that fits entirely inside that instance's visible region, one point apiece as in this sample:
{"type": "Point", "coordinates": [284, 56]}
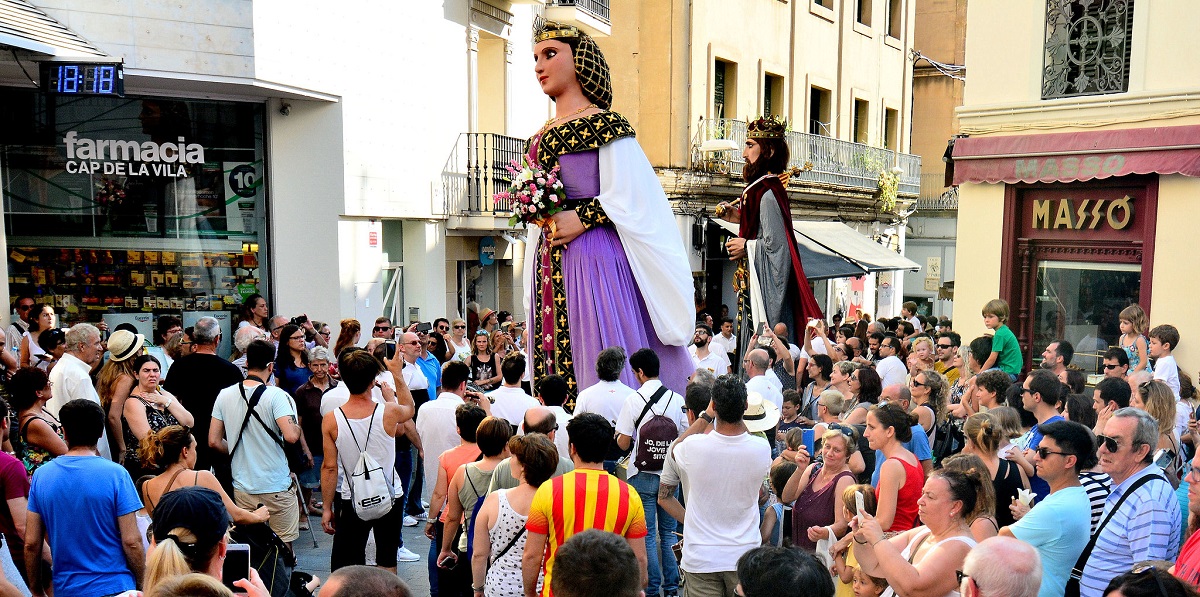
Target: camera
{"type": "Point", "coordinates": [424, 327]}
{"type": "Point", "coordinates": [300, 320]}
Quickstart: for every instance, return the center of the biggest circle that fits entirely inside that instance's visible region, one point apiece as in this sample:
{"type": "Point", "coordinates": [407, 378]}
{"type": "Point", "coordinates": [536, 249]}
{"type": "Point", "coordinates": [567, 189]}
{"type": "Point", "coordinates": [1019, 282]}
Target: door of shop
{"type": "Point", "coordinates": [1074, 256]}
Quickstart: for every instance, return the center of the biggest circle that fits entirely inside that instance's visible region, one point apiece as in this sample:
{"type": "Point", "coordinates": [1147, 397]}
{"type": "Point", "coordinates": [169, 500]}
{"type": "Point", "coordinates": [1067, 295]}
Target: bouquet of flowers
{"type": "Point", "coordinates": [109, 192]}
{"type": "Point", "coordinates": [535, 194]}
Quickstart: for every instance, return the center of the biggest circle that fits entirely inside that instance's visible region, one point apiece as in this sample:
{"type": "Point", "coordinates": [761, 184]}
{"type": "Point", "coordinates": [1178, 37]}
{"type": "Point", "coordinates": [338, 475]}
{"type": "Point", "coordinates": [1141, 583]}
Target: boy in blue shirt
{"type": "Point", "coordinates": [1006, 352]}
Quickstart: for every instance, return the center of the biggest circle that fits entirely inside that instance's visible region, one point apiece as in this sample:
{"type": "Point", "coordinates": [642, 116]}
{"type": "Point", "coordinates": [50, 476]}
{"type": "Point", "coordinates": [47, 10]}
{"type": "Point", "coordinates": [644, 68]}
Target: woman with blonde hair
{"type": "Point", "coordinates": [1157, 399]}
{"type": "Point", "coordinates": [189, 535]}
{"type": "Point", "coordinates": [458, 346]}
{"type": "Point", "coordinates": [173, 451]}
{"type": "Point", "coordinates": [984, 436]}
{"type": "Point", "coordinates": [983, 523]}
{"type": "Point", "coordinates": [928, 389]}
{"type": "Point", "coordinates": [115, 381]}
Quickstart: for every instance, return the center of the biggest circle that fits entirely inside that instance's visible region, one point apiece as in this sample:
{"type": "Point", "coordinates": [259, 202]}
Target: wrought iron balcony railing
{"type": "Point", "coordinates": [598, 8]}
{"type": "Point", "coordinates": [476, 170]}
{"type": "Point", "coordinates": [834, 161]}
{"type": "Point", "coordinates": [935, 195]}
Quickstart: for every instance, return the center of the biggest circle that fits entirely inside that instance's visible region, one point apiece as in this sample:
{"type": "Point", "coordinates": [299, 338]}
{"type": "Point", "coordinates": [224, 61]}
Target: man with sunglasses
{"type": "Point", "coordinates": [1040, 395]}
{"type": "Point", "coordinates": [1059, 526]}
{"type": "Point", "coordinates": [890, 368]}
{"type": "Point", "coordinates": [1141, 515]}
{"type": "Point", "coordinates": [947, 350]}
{"type": "Point", "coordinates": [21, 321]}
{"type": "Point", "coordinates": [1116, 363]}
{"type": "Point", "coordinates": [382, 329]}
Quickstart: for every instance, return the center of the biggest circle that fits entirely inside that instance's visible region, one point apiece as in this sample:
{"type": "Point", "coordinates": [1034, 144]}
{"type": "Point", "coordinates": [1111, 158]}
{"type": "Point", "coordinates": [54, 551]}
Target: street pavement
{"type": "Point", "coordinates": [315, 560]}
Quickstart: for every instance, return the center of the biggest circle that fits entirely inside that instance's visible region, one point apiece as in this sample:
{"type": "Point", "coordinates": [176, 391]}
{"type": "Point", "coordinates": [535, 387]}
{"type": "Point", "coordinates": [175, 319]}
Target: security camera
{"type": "Point", "coordinates": [285, 109]}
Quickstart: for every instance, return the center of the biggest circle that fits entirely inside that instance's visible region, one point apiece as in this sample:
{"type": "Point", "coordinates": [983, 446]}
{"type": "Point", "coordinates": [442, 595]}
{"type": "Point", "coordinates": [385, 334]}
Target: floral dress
{"type": "Point", "coordinates": [30, 455]}
{"type": "Point", "coordinates": [157, 419]}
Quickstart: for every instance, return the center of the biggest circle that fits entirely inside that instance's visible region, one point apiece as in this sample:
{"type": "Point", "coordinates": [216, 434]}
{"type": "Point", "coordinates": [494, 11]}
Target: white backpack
{"type": "Point", "coordinates": [370, 492]}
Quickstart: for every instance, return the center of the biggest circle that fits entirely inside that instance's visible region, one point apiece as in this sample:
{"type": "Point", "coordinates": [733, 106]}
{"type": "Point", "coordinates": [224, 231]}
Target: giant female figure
{"type": "Point", "coordinates": [611, 270]}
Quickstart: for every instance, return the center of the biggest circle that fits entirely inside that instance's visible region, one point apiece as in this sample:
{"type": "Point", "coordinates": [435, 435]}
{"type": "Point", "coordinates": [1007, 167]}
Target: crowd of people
{"type": "Point", "coordinates": [868, 458]}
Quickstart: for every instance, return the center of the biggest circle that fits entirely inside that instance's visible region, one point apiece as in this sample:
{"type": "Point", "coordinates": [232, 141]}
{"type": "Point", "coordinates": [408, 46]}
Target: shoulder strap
{"type": "Point", "coordinates": [509, 546]}
{"type": "Point", "coordinates": [912, 555]}
{"type": "Point", "coordinates": [250, 404]}
{"type": "Point", "coordinates": [352, 435]}
{"type": "Point", "coordinates": [1077, 571]}
{"type": "Point", "coordinates": [171, 481]}
{"type": "Point", "coordinates": [649, 403]}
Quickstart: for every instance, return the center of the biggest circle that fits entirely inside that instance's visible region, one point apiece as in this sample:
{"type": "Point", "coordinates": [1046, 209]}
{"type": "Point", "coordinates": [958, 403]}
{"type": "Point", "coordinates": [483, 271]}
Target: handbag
{"type": "Point", "coordinates": [1077, 571]}
{"type": "Point", "coordinates": [298, 462]}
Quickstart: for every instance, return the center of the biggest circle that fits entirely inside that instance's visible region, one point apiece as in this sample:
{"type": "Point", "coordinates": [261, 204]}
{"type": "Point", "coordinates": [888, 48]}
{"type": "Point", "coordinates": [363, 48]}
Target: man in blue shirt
{"type": "Point", "coordinates": [85, 506]}
{"type": "Point", "coordinates": [1040, 395]}
{"type": "Point", "coordinates": [1059, 526]}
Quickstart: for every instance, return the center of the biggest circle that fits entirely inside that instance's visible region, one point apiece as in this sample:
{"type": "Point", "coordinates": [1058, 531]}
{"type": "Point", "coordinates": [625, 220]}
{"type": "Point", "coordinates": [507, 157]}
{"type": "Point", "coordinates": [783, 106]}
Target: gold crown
{"type": "Point", "coordinates": [545, 30]}
{"type": "Point", "coordinates": [767, 128]}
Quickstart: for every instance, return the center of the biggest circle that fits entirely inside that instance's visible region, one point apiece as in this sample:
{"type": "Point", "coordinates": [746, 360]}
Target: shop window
{"type": "Point", "coordinates": [895, 17]}
{"type": "Point", "coordinates": [891, 129]}
{"type": "Point", "coordinates": [724, 89]}
{"type": "Point", "coordinates": [819, 102]}
{"type": "Point", "coordinates": [862, 11]}
{"type": "Point", "coordinates": [1087, 48]}
{"type": "Point", "coordinates": [773, 95]}
{"type": "Point", "coordinates": [1079, 302]}
{"type": "Point", "coordinates": [860, 125]}
{"type": "Point", "coordinates": [125, 209]}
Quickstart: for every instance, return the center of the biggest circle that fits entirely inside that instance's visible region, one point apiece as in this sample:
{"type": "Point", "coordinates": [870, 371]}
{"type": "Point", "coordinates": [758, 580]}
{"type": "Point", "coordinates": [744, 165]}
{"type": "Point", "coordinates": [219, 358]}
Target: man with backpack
{"type": "Point", "coordinates": [360, 444]}
{"type": "Point", "coordinates": [650, 421]}
{"type": "Point", "coordinates": [248, 421]}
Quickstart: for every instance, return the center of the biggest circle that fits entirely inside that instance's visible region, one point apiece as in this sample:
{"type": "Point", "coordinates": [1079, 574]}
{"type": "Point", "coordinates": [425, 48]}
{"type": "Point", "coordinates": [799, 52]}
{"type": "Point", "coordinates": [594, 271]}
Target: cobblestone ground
{"type": "Point", "coordinates": [315, 560]}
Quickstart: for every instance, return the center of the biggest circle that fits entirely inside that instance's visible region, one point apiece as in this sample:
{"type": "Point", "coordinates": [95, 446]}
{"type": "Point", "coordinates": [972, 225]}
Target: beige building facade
{"type": "Point", "coordinates": [1078, 178]}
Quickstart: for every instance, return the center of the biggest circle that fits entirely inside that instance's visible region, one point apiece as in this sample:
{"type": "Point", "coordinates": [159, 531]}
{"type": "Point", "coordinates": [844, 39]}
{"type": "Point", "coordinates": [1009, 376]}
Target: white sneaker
{"type": "Point", "coordinates": [424, 503]}
{"type": "Point", "coordinates": [404, 555]}
{"type": "Point", "coordinates": [409, 521]}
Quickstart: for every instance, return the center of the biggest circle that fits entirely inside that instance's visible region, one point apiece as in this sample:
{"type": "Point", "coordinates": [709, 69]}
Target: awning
{"type": "Point", "coordinates": [835, 250]}
{"type": "Point", "coordinates": [1071, 157]}
{"type": "Point", "coordinates": [26, 27]}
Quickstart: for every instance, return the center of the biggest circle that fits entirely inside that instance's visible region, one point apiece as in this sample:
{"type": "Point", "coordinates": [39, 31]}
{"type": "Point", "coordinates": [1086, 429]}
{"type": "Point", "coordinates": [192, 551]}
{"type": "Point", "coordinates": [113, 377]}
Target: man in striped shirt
{"type": "Point", "coordinates": [1146, 526]}
{"type": "Point", "coordinates": [586, 498]}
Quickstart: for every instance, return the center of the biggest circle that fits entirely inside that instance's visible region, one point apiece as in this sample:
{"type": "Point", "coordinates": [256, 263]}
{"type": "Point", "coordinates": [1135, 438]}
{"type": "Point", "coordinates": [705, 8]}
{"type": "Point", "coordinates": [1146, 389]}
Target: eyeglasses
{"type": "Point", "coordinates": [460, 327]}
{"type": "Point", "coordinates": [1109, 443]}
{"type": "Point", "coordinates": [916, 384]}
{"type": "Point", "coordinates": [960, 575]}
{"type": "Point", "coordinates": [380, 329]}
{"type": "Point", "coordinates": [1044, 453]}
{"type": "Point", "coordinates": [24, 307]}
{"type": "Point", "coordinates": [1110, 367]}
{"type": "Point", "coordinates": [300, 337]}
{"type": "Point", "coordinates": [945, 346]}
{"type": "Point", "coordinates": [414, 343]}
{"type": "Point", "coordinates": [1026, 391]}
{"type": "Point", "coordinates": [326, 334]}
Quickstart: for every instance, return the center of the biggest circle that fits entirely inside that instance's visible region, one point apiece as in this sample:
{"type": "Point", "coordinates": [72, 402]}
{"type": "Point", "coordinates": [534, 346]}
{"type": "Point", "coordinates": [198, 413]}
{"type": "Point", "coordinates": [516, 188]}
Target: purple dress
{"type": "Point", "coordinates": [604, 306]}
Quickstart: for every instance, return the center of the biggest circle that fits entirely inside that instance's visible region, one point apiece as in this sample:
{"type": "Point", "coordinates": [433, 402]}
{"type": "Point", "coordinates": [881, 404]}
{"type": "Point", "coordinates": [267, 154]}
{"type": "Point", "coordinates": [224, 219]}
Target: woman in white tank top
{"type": "Point", "coordinates": [949, 499]}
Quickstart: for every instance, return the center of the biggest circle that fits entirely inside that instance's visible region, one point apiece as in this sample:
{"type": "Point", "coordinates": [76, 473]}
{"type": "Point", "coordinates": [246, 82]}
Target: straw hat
{"type": "Point", "coordinates": [761, 414]}
{"type": "Point", "coordinates": [485, 314]}
{"type": "Point", "coordinates": [124, 344]}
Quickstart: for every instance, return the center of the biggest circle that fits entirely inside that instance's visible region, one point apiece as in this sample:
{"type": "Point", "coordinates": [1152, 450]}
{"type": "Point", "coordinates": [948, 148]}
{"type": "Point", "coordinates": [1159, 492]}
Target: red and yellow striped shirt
{"type": "Point", "coordinates": [580, 500]}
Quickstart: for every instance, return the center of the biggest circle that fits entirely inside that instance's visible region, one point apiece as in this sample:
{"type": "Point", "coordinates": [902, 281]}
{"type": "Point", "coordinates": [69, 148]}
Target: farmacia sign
{"type": "Point", "coordinates": [130, 158]}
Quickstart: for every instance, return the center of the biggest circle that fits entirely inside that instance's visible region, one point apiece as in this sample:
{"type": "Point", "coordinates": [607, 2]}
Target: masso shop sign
{"type": "Point", "coordinates": [1082, 213]}
{"type": "Point", "coordinates": [130, 158]}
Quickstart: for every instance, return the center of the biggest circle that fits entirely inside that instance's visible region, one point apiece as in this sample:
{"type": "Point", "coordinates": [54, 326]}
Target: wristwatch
{"type": "Point", "coordinates": [707, 417]}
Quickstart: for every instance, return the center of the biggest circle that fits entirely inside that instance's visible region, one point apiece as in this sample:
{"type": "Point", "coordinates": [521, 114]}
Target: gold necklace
{"type": "Point", "coordinates": [550, 123]}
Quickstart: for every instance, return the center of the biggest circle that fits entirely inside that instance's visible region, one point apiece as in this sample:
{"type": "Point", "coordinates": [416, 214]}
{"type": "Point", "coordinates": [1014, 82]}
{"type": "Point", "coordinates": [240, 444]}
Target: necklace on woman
{"type": "Point", "coordinates": [550, 123]}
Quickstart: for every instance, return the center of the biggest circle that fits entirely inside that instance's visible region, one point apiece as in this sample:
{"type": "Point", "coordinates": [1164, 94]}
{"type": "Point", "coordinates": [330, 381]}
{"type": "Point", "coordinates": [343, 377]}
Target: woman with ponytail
{"type": "Point", "coordinates": [922, 562]}
{"type": "Point", "coordinates": [188, 535]}
{"type": "Point", "coordinates": [984, 435]}
{"type": "Point", "coordinates": [983, 524]}
{"type": "Point", "coordinates": [900, 476]}
{"type": "Point", "coordinates": [173, 450]}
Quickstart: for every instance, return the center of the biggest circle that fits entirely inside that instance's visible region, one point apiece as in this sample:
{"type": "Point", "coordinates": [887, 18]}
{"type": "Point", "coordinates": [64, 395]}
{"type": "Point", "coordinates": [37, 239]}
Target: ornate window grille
{"type": "Point", "coordinates": [1087, 47]}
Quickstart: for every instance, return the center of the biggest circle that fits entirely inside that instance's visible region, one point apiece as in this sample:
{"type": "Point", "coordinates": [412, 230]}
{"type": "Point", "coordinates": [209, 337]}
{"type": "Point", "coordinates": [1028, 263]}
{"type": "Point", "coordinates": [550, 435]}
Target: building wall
{"type": "Point", "coordinates": [980, 232]}
{"type": "Point", "coordinates": [1177, 281]}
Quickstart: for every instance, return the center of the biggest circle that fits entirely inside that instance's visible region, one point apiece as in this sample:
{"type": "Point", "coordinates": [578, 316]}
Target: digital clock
{"type": "Point", "coordinates": [83, 78]}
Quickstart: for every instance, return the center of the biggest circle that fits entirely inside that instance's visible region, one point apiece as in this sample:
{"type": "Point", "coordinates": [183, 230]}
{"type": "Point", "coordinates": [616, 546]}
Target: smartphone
{"type": "Point", "coordinates": [858, 504]}
{"type": "Point", "coordinates": [1163, 458]}
{"type": "Point", "coordinates": [236, 566]}
{"type": "Point", "coordinates": [389, 349]}
{"type": "Point", "coordinates": [448, 561]}
{"type": "Point", "coordinates": [424, 327]}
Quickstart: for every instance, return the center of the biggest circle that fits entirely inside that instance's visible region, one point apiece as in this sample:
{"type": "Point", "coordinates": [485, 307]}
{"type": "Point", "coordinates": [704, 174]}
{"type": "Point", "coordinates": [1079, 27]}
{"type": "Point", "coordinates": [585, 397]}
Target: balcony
{"type": "Point", "coordinates": [935, 195]}
{"type": "Point", "coordinates": [589, 15]}
{"type": "Point", "coordinates": [834, 162]}
{"type": "Point", "coordinates": [474, 172]}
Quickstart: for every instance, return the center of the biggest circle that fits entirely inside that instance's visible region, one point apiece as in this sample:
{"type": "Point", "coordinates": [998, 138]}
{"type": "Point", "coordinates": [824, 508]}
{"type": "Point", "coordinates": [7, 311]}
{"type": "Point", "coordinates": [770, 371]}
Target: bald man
{"type": "Point", "coordinates": [1002, 567]}
{"type": "Point", "coordinates": [538, 419]}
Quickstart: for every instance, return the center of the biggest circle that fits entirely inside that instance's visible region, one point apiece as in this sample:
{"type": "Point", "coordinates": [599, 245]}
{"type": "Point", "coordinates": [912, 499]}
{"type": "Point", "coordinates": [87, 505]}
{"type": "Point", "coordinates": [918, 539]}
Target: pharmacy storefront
{"type": "Point", "coordinates": [122, 209]}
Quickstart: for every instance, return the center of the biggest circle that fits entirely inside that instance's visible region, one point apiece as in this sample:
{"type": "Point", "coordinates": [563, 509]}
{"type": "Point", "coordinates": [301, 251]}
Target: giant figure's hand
{"type": "Point", "coordinates": [566, 227]}
{"type": "Point", "coordinates": [736, 248]}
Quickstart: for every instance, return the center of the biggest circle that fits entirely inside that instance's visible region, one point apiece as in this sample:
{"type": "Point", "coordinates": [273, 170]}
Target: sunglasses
{"type": "Point", "coordinates": [24, 307]}
{"type": "Point", "coordinates": [846, 430]}
{"type": "Point", "coordinates": [916, 384]}
{"type": "Point", "coordinates": [380, 329]}
{"type": "Point", "coordinates": [945, 346]}
{"type": "Point", "coordinates": [960, 575]}
{"type": "Point", "coordinates": [460, 327]}
{"type": "Point", "coordinates": [1109, 443]}
{"type": "Point", "coordinates": [1044, 453]}
{"type": "Point", "coordinates": [481, 333]}
{"type": "Point", "coordinates": [1110, 367]}
{"type": "Point", "coordinates": [1148, 568]}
